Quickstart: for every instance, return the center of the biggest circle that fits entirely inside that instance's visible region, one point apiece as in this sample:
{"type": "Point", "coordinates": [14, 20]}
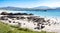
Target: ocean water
{"type": "Point", "coordinates": [48, 13]}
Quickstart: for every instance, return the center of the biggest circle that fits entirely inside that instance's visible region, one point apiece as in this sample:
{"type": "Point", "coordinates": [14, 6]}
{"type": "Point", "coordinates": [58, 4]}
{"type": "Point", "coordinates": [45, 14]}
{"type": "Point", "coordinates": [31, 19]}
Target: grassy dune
{"type": "Point", "coordinates": [5, 28]}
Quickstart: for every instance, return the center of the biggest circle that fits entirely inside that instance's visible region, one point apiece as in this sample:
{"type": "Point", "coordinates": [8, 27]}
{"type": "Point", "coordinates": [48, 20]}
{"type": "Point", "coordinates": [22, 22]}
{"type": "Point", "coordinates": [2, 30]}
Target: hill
{"type": "Point", "coordinates": [24, 9]}
{"type": "Point", "coordinates": [43, 7]}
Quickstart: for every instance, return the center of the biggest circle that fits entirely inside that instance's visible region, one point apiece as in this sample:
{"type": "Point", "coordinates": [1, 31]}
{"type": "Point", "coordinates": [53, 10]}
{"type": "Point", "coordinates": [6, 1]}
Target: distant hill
{"type": "Point", "coordinates": [22, 9]}
{"type": "Point", "coordinates": [58, 8]}
{"type": "Point", "coordinates": [43, 7]}
{"type": "Point", "coordinates": [28, 9]}
{"type": "Point", "coordinates": [11, 8]}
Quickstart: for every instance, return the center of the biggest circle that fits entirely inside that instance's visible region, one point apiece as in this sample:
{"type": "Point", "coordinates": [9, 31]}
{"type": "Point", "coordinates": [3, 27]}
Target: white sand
{"type": "Point", "coordinates": [55, 25]}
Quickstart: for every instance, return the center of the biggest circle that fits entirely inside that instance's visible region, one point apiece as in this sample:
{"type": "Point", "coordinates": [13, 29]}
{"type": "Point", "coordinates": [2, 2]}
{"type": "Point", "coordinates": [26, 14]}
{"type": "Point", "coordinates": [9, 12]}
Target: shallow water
{"type": "Point", "coordinates": [48, 13]}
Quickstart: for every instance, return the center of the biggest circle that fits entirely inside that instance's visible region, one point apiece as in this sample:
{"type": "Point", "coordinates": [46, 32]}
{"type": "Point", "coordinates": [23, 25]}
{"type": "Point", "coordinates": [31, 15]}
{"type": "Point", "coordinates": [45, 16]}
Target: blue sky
{"type": "Point", "coordinates": [29, 3]}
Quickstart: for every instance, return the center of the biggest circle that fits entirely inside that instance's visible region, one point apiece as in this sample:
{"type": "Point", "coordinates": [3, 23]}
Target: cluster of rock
{"type": "Point", "coordinates": [5, 13]}
{"type": "Point", "coordinates": [24, 21]}
{"type": "Point", "coordinates": [35, 23]}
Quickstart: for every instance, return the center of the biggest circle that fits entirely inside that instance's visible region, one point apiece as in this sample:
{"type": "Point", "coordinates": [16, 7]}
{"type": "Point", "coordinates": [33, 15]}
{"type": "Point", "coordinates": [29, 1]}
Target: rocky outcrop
{"type": "Point", "coordinates": [25, 20]}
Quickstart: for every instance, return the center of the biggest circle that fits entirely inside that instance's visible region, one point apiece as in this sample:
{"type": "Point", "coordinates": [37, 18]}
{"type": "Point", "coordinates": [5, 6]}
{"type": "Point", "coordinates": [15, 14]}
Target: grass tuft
{"type": "Point", "coordinates": [5, 28]}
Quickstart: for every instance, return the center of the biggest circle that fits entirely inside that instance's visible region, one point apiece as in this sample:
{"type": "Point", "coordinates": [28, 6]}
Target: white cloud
{"type": "Point", "coordinates": [52, 4]}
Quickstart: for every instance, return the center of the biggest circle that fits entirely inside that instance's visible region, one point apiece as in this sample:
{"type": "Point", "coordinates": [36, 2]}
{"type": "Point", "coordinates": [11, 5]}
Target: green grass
{"type": "Point", "coordinates": [5, 28]}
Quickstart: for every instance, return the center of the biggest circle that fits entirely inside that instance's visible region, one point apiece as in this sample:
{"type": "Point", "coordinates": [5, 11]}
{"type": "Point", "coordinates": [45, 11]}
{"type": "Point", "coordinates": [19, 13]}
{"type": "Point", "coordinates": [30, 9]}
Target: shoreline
{"type": "Point", "coordinates": [53, 23]}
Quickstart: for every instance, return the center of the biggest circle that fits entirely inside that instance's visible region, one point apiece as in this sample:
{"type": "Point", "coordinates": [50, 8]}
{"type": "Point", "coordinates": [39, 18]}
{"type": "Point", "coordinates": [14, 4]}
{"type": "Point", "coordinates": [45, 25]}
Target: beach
{"type": "Point", "coordinates": [51, 24]}
{"type": "Point", "coordinates": [48, 23]}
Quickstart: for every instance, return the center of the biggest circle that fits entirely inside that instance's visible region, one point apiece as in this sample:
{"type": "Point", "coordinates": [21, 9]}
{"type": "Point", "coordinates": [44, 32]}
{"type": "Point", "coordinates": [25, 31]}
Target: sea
{"type": "Point", "coordinates": [42, 13]}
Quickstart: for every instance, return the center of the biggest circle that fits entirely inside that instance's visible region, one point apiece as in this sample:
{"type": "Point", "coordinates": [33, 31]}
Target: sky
{"type": "Point", "coordinates": [29, 3]}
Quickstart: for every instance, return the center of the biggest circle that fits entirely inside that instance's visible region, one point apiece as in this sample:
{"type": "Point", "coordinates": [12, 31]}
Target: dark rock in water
{"type": "Point", "coordinates": [5, 13]}
{"type": "Point", "coordinates": [30, 14]}
{"type": "Point", "coordinates": [45, 10]}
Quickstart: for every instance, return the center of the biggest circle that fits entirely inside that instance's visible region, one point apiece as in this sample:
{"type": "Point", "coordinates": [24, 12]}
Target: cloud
{"type": "Point", "coordinates": [30, 3]}
{"type": "Point", "coordinates": [50, 4]}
